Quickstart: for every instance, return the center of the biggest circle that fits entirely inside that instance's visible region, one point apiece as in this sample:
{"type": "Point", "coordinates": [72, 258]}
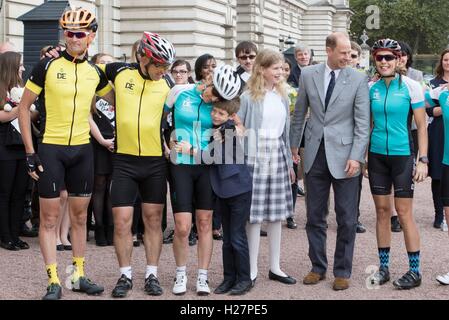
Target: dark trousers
{"type": "Point", "coordinates": [235, 215]}
{"type": "Point", "coordinates": [13, 187]}
{"type": "Point", "coordinates": [436, 196]}
{"type": "Point", "coordinates": [319, 181]}
{"type": "Point", "coordinates": [359, 197]}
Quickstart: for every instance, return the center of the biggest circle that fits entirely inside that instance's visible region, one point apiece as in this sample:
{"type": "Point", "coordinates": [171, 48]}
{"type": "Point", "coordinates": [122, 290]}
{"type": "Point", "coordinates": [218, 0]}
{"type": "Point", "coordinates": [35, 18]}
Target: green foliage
{"type": "Point", "coordinates": [423, 24]}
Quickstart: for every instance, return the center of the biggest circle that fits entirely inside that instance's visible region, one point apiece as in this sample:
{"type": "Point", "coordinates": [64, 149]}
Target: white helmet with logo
{"type": "Point", "coordinates": [227, 82]}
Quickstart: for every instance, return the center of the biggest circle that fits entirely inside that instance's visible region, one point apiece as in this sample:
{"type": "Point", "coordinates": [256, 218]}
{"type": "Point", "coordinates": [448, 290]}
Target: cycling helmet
{"type": "Point", "coordinates": [387, 45]}
{"type": "Point", "coordinates": [159, 49]}
{"type": "Point", "coordinates": [78, 19]}
{"type": "Point", "coordinates": [226, 82]}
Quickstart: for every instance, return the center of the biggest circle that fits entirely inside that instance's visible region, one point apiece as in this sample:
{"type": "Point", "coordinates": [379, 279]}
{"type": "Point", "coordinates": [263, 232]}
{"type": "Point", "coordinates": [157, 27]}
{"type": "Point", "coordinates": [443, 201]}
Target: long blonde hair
{"type": "Point", "coordinates": [256, 84]}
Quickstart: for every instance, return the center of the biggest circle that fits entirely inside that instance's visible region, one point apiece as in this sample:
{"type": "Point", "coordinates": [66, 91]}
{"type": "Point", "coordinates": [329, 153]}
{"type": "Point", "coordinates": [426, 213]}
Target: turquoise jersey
{"type": "Point", "coordinates": [442, 95]}
{"type": "Point", "coordinates": [391, 110]}
{"type": "Point", "coordinates": [192, 120]}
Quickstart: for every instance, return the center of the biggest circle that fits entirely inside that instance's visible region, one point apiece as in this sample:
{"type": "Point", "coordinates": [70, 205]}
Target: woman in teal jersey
{"type": "Point", "coordinates": [191, 107]}
{"type": "Point", "coordinates": [441, 94]}
{"type": "Point", "coordinates": [391, 159]}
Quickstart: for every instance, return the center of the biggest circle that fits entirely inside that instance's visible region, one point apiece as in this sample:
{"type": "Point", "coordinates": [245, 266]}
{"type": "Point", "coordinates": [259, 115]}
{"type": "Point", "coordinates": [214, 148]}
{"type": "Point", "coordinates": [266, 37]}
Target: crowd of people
{"type": "Point", "coordinates": [230, 148]}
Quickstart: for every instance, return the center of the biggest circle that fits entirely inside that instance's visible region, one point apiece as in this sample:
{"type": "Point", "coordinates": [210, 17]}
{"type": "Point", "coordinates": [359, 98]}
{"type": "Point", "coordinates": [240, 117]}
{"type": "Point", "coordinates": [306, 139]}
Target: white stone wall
{"type": "Point", "coordinates": [195, 26]}
{"type": "Point", "coordinates": [198, 26]}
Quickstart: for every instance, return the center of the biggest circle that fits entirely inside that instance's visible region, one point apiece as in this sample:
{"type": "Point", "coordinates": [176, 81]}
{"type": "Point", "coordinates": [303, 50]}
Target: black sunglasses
{"type": "Point", "coordinates": [354, 56]}
{"type": "Point", "coordinates": [387, 57]}
{"type": "Point", "coordinates": [247, 56]}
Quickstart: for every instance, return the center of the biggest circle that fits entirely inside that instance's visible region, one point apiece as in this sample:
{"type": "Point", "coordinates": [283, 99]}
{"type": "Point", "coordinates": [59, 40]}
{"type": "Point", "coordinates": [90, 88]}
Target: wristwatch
{"type": "Point", "coordinates": [424, 159]}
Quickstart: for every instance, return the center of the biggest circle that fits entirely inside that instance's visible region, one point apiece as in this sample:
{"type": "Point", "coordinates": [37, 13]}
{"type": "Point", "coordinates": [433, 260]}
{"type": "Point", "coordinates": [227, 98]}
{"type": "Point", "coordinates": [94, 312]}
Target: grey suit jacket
{"type": "Point", "coordinates": [345, 125]}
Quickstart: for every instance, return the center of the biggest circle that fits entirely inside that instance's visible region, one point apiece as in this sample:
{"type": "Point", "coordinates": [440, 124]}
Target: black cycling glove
{"type": "Point", "coordinates": [33, 162]}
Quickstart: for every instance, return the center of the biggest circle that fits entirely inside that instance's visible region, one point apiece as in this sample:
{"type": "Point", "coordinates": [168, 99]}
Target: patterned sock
{"type": "Point", "coordinates": [413, 260]}
{"type": "Point", "coordinates": [384, 257]}
{"type": "Point", "coordinates": [78, 268]}
{"type": "Point", "coordinates": [52, 273]}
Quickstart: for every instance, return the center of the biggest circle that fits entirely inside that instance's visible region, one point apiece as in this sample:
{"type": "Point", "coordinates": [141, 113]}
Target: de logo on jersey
{"type": "Point", "coordinates": [129, 86]}
{"type": "Point", "coordinates": [61, 75]}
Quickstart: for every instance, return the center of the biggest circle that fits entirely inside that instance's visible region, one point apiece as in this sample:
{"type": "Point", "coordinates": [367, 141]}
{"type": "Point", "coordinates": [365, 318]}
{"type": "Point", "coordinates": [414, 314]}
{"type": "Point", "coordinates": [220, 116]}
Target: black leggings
{"type": "Point", "coordinates": [13, 187]}
{"type": "Point", "coordinates": [102, 206]}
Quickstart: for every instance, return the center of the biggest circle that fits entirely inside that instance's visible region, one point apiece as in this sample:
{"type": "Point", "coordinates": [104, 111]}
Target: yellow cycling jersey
{"type": "Point", "coordinates": [66, 89]}
{"type": "Point", "coordinates": [138, 110]}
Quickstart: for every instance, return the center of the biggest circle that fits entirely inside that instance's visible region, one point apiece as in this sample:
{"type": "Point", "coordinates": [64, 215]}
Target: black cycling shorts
{"type": "Point", "coordinates": [385, 171]}
{"type": "Point", "coordinates": [191, 185]}
{"type": "Point", "coordinates": [71, 166]}
{"type": "Point", "coordinates": [445, 185]}
{"type": "Point", "coordinates": [133, 174]}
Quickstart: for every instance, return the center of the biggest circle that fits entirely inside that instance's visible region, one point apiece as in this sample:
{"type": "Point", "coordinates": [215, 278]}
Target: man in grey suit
{"type": "Point", "coordinates": [336, 138]}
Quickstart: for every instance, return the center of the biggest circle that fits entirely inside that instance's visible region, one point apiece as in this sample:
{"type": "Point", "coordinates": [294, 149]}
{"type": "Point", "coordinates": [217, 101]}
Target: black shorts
{"type": "Point", "coordinates": [385, 171]}
{"type": "Point", "coordinates": [71, 166]}
{"type": "Point", "coordinates": [132, 174]}
{"type": "Point", "coordinates": [191, 185]}
{"type": "Point", "coordinates": [445, 185]}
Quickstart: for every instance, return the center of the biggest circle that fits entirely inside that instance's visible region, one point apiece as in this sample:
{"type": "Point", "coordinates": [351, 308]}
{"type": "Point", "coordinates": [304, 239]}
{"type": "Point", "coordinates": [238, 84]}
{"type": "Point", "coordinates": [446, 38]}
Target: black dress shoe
{"type": "Point", "coordinates": [301, 192]}
{"type": "Point", "coordinates": [240, 288]}
{"type": "Point", "coordinates": [67, 247]}
{"type": "Point", "coordinates": [263, 233]}
{"type": "Point", "coordinates": [9, 246]}
{"type": "Point", "coordinates": [253, 282]}
{"type": "Point", "coordinates": [291, 224]}
{"type": "Point", "coordinates": [286, 280]}
{"type": "Point", "coordinates": [224, 287]}
{"type": "Point", "coordinates": [360, 228]}
{"type": "Point", "coordinates": [217, 236]}
{"type": "Point", "coordinates": [22, 245]}
{"type": "Point", "coordinates": [60, 247]}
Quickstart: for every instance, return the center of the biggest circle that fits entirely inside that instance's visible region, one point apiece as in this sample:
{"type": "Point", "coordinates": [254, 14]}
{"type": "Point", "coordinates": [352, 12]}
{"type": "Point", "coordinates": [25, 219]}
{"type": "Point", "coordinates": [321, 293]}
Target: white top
{"type": "Point", "coordinates": [327, 77]}
{"type": "Point", "coordinates": [274, 116]}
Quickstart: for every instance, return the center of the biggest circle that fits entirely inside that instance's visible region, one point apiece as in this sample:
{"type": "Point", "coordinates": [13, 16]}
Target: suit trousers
{"type": "Point", "coordinates": [319, 181]}
{"type": "Point", "coordinates": [235, 215]}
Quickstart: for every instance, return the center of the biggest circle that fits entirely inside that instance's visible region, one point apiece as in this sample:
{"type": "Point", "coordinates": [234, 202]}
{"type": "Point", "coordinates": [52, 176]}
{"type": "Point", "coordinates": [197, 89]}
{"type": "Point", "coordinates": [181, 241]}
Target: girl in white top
{"type": "Point", "coordinates": [264, 114]}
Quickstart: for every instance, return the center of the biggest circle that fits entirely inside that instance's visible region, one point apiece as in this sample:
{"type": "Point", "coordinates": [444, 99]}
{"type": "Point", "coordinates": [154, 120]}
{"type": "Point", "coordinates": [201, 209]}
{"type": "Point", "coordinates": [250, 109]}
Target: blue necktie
{"type": "Point", "coordinates": [330, 88]}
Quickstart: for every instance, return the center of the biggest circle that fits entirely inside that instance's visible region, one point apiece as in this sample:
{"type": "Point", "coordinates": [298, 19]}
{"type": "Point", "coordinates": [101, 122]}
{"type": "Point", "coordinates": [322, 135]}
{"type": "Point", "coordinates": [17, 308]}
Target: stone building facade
{"type": "Point", "coordinates": [199, 26]}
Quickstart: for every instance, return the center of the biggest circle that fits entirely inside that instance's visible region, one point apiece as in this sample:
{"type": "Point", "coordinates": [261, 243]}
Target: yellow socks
{"type": "Point", "coordinates": [78, 268]}
{"type": "Point", "coordinates": [52, 272]}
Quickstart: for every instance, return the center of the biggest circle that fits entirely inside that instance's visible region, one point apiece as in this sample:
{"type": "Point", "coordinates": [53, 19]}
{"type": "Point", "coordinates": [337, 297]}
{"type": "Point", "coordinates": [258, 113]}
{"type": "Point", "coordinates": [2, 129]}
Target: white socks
{"type": "Point", "coordinates": [202, 273]}
{"type": "Point", "coordinates": [127, 271]}
{"type": "Point", "coordinates": [181, 270]}
{"type": "Point", "coordinates": [274, 247]}
{"type": "Point", "coordinates": [151, 270]}
{"type": "Point", "coordinates": [253, 234]}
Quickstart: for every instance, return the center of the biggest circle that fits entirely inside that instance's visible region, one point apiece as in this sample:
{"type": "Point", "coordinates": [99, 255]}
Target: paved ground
{"type": "Point", "coordinates": [22, 273]}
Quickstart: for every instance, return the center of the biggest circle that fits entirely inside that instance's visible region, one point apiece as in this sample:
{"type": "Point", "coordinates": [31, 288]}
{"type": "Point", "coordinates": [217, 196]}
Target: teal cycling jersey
{"type": "Point", "coordinates": [392, 109]}
{"type": "Point", "coordinates": [192, 119]}
{"type": "Point", "coordinates": [441, 94]}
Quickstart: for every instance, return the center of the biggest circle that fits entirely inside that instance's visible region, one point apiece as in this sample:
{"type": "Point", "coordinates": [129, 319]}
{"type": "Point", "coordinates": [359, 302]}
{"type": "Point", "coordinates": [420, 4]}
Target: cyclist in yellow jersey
{"type": "Point", "coordinates": [67, 86]}
{"type": "Point", "coordinates": [139, 164]}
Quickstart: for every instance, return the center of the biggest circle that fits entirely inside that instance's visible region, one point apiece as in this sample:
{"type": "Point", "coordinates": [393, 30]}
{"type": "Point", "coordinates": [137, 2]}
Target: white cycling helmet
{"type": "Point", "coordinates": [226, 82]}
